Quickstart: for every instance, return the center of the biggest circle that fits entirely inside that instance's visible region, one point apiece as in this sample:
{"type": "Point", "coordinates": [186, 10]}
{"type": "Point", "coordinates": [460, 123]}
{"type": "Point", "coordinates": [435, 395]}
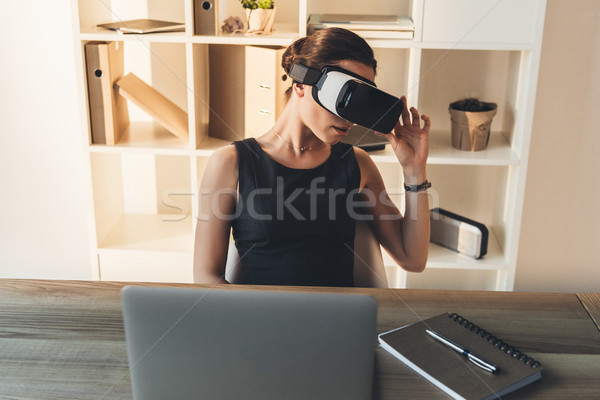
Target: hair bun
{"type": "Point", "coordinates": [291, 53]}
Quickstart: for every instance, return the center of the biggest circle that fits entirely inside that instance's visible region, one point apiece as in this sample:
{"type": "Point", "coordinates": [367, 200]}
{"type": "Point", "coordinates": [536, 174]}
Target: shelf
{"type": "Point", "coordinates": [209, 145]}
{"type": "Point", "coordinates": [442, 258]}
{"type": "Point", "coordinates": [145, 137]}
{"type": "Point", "coordinates": [109, 36]}
{"type": "Point", "coordinates": [498, 152]}
{"type": "Point", "coordinates": [416, 44]}
{"type": "Point", "coordinates": [143, 186]}
{"type": "Point", "coordinates": [283, 35]}
{"type": "Point", "coordinates": [474, 46]}
{"type": "Point", "coordinates": [150, 232]}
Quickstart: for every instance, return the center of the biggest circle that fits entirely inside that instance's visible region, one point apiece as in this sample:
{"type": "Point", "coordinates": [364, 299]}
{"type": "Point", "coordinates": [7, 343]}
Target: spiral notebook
{"type": "Point", "coordinates": [452, 372]}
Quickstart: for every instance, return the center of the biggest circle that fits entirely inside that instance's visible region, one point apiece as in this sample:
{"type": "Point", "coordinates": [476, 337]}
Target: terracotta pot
{"type": "Point", "coordinates": [471, 129]}
{"type": "Point", "coordinates": [260, 20]}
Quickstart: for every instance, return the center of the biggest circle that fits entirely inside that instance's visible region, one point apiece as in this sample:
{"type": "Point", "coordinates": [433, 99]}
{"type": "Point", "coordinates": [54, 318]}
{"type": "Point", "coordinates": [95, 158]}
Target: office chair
{"type": "Point", "coordinates": [368, 262]}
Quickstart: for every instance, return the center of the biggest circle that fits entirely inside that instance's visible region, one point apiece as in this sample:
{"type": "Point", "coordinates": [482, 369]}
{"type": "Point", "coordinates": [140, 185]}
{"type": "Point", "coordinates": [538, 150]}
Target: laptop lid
{"type": "Point", "coordinates": [248, 344]}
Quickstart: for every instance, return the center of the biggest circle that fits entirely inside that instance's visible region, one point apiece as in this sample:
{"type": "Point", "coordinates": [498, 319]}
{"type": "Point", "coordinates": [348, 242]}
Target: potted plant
{"type": "Point", "coordinates": [259, 15]}
{"type": "Point", "coordinates": [471, 123]}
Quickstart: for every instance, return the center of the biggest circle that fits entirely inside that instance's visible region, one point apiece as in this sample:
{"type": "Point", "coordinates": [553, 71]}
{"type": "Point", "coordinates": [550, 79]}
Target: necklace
{"type": "Point", "coordinates": [301, 148]}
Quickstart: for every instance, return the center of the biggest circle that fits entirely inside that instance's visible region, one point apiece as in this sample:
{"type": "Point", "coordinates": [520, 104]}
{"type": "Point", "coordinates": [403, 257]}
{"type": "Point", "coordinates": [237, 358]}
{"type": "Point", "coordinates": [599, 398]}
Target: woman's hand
{"type": "Point", "coordinates": [410, 141]}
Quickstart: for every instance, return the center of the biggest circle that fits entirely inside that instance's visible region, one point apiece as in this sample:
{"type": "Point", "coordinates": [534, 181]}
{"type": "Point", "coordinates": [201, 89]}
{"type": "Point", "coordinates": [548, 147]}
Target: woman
{"type": "Point", "coordinates": [293, 194]}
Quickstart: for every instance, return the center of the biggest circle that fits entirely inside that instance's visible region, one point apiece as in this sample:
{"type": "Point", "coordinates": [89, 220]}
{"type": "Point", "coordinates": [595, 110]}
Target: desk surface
{"type": "Point", "coordinates": [65, 339]}
{"type": "Point", "coordinates": [591, 302]}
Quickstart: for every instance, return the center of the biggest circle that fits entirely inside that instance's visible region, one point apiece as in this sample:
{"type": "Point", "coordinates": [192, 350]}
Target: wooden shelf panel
{"type": "Point", "coordinates": [150, 232]}
{"type": "Point", "coordinates": [209, 145]}
{"type": "Point", "coordinates": [498, 152]}
{"type": "Point", "coordinates": [144, 136]}
{"type": "Point", "coordinates": [442, 258]}
{"type": "Point", "coordinates": [109, 36]}
{"type": "Point", "coordinates": [474, 46]}
{"type": "Point", "coordinates": [145, 266]}
{"type": "Point", "coordinates": [282, 35]}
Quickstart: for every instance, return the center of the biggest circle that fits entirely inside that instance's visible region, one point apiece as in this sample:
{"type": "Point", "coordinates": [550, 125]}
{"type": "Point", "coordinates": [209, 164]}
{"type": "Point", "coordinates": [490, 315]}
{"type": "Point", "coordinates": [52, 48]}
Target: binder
{"type": "Point", "coordinates": [109, 116]}
{"type": "Point", "coordinates": [163, 110]}
{"type": "Point", "coordinates": [452, 372]}
{"type": "Point", "coordinates": [206, 21]}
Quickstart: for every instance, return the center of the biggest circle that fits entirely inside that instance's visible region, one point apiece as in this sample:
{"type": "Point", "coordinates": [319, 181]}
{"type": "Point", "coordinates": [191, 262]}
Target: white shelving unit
{"type": "Point", "coordinates": [143, 191]}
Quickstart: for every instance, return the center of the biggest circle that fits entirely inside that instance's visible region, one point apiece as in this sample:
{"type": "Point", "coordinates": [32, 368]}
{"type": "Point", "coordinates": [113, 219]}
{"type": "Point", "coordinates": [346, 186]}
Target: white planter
{"type": "Point", "coordinates": [260, 21]}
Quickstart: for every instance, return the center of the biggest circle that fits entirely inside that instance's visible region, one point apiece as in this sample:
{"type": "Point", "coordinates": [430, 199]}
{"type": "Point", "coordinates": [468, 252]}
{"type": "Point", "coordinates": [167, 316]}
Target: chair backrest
{"type": "Point", "coordinates": [369, 270]}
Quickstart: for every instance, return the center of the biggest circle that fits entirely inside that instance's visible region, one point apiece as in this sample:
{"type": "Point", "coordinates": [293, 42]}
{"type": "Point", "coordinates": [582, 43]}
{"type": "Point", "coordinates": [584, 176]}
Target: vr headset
{"type": "Point", "coordinates": [350, 96]}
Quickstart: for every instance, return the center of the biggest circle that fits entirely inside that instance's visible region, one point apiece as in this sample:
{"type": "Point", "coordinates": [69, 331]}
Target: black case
{"type": "Point", "coordinates": [449, 230]}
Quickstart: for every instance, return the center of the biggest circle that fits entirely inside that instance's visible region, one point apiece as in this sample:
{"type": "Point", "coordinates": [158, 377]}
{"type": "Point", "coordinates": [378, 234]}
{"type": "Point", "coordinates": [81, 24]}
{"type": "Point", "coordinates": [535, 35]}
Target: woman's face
{"type": "Point", "coordinates": [328, 127]}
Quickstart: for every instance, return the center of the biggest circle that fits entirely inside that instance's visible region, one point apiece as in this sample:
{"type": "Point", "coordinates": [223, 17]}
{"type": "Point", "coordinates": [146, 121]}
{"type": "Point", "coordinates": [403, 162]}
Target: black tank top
{"type": "Point", "coordinates": [293, 226]}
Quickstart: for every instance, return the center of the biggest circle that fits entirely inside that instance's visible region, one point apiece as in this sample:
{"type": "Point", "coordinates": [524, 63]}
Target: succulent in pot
{"type": "Point", "coordinates": [471, 123]}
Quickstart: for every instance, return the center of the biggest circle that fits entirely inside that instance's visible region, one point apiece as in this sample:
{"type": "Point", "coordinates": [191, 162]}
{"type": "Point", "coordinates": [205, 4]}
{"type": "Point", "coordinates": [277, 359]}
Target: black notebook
{"type": "Point", "coordinates": [453, 372]}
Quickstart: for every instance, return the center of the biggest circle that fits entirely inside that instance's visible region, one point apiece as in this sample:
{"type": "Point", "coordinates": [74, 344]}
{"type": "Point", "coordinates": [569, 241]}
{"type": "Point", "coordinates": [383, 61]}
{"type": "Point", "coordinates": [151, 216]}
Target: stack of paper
{"type": "Point", "coordinates": [367, 26]}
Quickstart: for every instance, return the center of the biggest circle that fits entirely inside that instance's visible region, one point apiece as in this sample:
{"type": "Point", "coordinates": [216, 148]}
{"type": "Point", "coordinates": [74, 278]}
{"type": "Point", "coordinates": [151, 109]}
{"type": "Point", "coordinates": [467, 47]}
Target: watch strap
{"type": "Point", "coordinates": [417, 188]}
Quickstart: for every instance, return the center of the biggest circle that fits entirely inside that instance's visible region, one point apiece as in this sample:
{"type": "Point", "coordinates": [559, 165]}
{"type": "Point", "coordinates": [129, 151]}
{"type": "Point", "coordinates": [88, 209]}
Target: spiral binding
{"type": "Point", "coordinates": [501, 345]}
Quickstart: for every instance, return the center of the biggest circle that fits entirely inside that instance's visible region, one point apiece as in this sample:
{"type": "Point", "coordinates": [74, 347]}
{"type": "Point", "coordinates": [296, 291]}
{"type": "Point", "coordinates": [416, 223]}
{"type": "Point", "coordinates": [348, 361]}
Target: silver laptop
{"type": "Point", "coordinates": [248, 344]}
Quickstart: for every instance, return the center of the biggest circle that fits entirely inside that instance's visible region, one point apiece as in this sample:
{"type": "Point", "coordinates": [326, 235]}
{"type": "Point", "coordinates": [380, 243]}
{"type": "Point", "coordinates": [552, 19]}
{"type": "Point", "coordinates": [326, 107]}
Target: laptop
{"type": "Point", "coordinates": [185, 343]}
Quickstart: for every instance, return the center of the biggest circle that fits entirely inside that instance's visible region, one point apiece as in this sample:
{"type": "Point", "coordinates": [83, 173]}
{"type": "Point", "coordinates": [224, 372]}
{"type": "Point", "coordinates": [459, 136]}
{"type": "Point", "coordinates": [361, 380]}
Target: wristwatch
{"type": "Point", "coordinates": [417, 188]}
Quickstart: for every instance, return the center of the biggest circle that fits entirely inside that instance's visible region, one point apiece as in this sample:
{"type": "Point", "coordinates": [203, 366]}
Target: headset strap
{"type": "Point", "coordinates": [301, 73]}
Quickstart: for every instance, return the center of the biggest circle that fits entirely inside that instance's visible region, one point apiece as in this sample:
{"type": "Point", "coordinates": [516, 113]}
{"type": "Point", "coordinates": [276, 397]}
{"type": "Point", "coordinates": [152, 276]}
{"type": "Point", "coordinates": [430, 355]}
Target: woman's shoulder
{"type": "Point", "coordinates": [365, 164]}
{"type": "Point", "coordinates": [363, 158]}
{"type": "Point", "coordinates": [223, 163]}
{"type": "Point", "coordinates": [226, 154]}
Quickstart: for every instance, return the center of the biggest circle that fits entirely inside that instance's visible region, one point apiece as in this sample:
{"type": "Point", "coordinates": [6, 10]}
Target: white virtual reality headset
{"type": "Point", "coordinates": [350, 96]}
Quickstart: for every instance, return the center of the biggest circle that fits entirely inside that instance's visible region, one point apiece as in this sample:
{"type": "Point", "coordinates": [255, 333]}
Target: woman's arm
{"type": "Point", "coordinates": [217, 197]}
{"type": "Point", "coordinates": [406, 237]}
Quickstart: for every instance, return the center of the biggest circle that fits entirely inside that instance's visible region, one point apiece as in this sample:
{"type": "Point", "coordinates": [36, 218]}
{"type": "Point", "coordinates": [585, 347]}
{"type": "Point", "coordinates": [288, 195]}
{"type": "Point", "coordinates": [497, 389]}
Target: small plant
{"type": "Point", "coordinates": [471, 123]}
{"type": "Point", "coordinates": [254, 4]}
{"type": "Point", "coordinates": [471, 105]}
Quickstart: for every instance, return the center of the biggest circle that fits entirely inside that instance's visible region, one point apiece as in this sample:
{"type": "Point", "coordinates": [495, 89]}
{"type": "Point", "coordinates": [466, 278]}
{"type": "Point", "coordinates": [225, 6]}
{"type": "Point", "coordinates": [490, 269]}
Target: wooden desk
{"type": "Point", "coordinates": [65, 339]}
{"type": "Point", "coordinates": [591, 302]}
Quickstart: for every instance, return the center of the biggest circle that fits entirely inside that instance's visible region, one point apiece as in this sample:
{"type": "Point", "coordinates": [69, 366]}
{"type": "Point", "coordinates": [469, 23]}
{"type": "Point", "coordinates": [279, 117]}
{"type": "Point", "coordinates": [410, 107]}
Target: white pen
{"type": "Point", "coordinates": [480, 362]}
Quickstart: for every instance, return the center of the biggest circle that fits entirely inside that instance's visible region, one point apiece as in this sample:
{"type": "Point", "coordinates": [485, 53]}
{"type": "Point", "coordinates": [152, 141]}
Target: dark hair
{"type": "Point", "coordinates": [327, 47]}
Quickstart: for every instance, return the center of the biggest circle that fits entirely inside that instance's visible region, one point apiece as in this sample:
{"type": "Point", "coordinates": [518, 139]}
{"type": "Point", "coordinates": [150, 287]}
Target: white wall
{"type": "Point", "coordinates": [560, 236]}
{"type": "Point", "coordinates": [43, 222]}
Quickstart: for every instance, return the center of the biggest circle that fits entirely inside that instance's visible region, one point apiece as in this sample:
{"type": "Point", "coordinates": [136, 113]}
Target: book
{"type": "Point", "coordinates": [452, 372]}
{"type": "Point", "coordinates": [144, 26]}
{"type": "Point", "coordinates": [109, 116]}
{"type": "Point", "coordinates": [367, 26]}
{"type": "Point", "coordinates": [163, 110]}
